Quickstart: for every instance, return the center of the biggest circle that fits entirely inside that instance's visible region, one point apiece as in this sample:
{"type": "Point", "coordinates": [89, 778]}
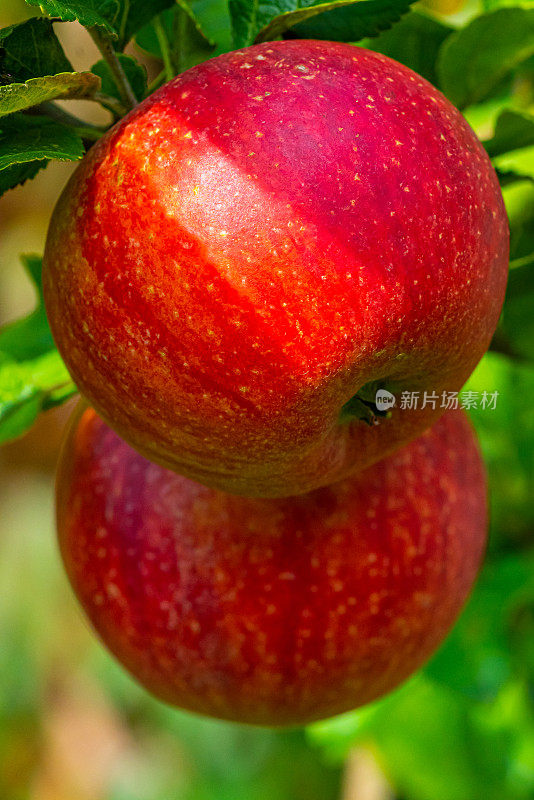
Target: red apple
{"type": "Point", "coordinates": [272, 233]}
{"type": "Point", "coordinates": [272, 611]}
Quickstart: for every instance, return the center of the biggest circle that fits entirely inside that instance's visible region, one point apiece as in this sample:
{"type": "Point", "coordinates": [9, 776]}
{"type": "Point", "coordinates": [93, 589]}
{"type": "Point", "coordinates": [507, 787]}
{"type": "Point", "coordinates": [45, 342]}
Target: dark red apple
{"type": "Point", "coordinates": [272, 611]}
{"type": "Point", "coordinates": [272, 233]}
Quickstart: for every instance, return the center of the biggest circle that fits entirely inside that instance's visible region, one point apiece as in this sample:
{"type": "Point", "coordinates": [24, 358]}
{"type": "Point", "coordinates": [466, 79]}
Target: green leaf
{"type": "Point", "coordinates": [31, 50]}
{"type": "Point", "coordinates": [135, 14]}
{"type": "Point", "coordinates": [367, 18]}
{"type": "Point", "coordinates": [29, 337]}
{"type": "Point", "coordinates": [434, 743]}
{"type": "Point", "coordinates": [506, 435]}
{"type": "Point", "coordinates": [19, 174]}
{"type": "Point", "coordinates": [519, 163]}
{"type": "Point", "coordinates": [519, 200]}
{"type": "Point", "coordinates": [212, 16]}
{"type": "Point", "coordinates": [348, 20]}
{"type": "Point", "coordinates": [28, 387]}
{"type": "Point", "coordinates": [194, 45]}
{"type": "Point", "coordinates": [490, 5]}
{"type": "Point", "coordinates": [513, 130]}
{"type": "Point", "coordinates": [188, 43]}
{"type": "Point", "coordinates": [86, 12]}
{"type": "Point", "coordinates": [508, 177]}
{"type": "Point", "coordinates": [474, 60]}
{"type": "Point", "coordinates": [414, 41]}
{"type": "Point", "coordinates": [476, 657]}
{"type": "Point", "coordinates": [437, 744]}
{"type": "Point", "coordinates": [121, 18]}
{"type": "Point", "coordinates": [32, 374]}
{"type": "Point", "coordinates": [135, 72]}
{"type": "Point", "coordinates": [517, 321]}
{"type": "Point", "coordinates": [20, 96]}
{"type": "Point", "coordinates": [24, 139]}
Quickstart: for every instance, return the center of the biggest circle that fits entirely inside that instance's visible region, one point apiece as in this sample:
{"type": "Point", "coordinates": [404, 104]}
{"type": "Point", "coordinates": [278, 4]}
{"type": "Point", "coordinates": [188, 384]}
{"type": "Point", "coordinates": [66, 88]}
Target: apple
{"type": "Point", "coordinates": [272, 611]}
{"type": "Point", "coordinates": [242, 261]}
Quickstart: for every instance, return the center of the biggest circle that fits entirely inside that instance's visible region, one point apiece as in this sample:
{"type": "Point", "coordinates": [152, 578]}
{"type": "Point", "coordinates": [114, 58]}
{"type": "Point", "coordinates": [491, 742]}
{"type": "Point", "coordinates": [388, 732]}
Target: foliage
{"type": "Point", "coordinates": [463, 729]}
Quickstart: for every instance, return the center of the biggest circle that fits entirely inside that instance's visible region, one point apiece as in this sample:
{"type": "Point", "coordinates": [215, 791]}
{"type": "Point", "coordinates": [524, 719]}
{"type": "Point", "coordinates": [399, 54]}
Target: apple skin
{"type": "Point", "coordinates": [272, 611]}
{"type": "Point", "coordinates": [260, 238]}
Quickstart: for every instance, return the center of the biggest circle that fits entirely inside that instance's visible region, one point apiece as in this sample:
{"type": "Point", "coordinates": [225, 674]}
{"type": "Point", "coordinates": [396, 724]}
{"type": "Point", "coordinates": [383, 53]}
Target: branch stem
{"type": "Point", "coordinates": [165, 48]}
{"type": "Point", "coordinates": [109, 102]}
{"type": "Point", "coordinates": [59, 114]}
{"type": "Point", "coordinates": [156, 83]}
{"type": "Point", "coordinates": [90, 134]}
{"type": "Point", "coordinates": [103, 42]}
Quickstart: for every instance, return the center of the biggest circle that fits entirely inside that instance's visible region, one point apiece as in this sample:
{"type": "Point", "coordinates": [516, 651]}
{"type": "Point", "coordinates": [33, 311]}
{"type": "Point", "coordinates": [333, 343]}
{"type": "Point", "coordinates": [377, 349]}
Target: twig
{"type": "Point", "coordinates": [103, 42]}
{"type": "Point", "coordinates": [156, 83]}
{"type": "Point", "coordinates": [89, 134]}
{"type": "Point", "coordinates": [59, 114]}
{"type": "Point", "coordinates": [109, 102]}
{"type": "Point", "coordinates": [165, 48]}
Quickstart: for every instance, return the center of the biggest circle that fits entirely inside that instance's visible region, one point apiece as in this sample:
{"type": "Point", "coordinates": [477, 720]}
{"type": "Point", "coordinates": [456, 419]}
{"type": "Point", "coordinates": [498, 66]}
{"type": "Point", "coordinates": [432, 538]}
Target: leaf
{"type": "Point", "coordinates": [121, 18]}
{"type": "Point", "coordinates": [32, 374]}
{"type": "Point", "coordinates": [189, 45]}
{"type": "Point", "coordinates": [489, 5]}
{"type": "Point", "coordinates": [513, 130]}
{"type": "Point", "coordinates": [518, 162]}
{"type": "Point", "coordinates": [476, 658]}
{"type": "Point", "coordinates": [509, 177]}
{"type": "Point", "coordinates": [195, 46]}
{"type": "Point", "coordinates": [474, 60]}
{"type": "Point", "coordinates": [517, 321]}
{"type": "Point", "coordinates": [212, 16]}
{"type": "Point", "coordinates": [31, 50]}
{"type": "Point", "coordinates": [135, 14]}
{"type": "Point", "coordinates": [512, 146]}
{"type": "Point", "coordinates": [506, 435]}
{"type": "Point", "coordinates": [367, 18]}
{"type": "Point", "coordinates": [27, 50]}
{"type": "Point", "coordinates": [435, 743]}
{"type": "Point", "coordinates": [135, 72]}
{"type": "Point", "coordinates": [261, 21]}
{"type": "Point", "coordinates": [29, 337]}
{"type": "Point", "coordinates": [344, 20]}
{"type": "Point", "coordinates": [19, 174]}
{"type": "Point", "coordinates": [86, 12]}
{"type": "Point", "coordinates": [519, 200]}
{"type": "Point", "coordinates": [24, 139]}
{"type": "Point", "coordinates": [285, 21]}
{"type": "Point", "coordinates": [30, 387]}
{"type": "Point", "coordinates": [414, 41]}
{"type": "Point", "coordinates": [19, 96]}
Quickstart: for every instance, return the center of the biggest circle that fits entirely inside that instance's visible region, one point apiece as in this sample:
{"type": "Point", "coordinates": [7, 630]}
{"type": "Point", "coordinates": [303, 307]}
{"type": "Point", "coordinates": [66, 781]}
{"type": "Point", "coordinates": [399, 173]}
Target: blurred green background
{"type": "Point", "coordinates": [73, 726]}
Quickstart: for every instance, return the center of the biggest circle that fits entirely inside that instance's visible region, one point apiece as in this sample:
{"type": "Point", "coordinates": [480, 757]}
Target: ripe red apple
{"type": "Point", "coordinates": [272, 233]}
{"type": "Point", "coordinates": [272, 611]}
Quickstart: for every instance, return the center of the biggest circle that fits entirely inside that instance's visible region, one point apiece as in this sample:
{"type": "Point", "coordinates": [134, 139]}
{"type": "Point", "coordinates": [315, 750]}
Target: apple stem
{"type": "Point", "coordinates": [103, 42]}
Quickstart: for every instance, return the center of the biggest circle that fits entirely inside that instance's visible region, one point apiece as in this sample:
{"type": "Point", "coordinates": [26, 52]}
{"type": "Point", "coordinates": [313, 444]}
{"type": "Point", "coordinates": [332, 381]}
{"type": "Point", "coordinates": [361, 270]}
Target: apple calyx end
{"type": "Point", "coordinates": [363, 405]}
